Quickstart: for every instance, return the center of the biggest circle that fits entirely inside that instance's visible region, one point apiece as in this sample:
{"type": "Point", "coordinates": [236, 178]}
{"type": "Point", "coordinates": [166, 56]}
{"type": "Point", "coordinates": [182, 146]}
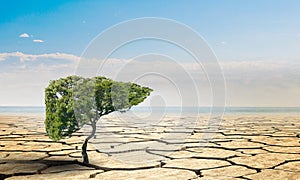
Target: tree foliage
{"type": "Point", "coordinates": [74, 101]}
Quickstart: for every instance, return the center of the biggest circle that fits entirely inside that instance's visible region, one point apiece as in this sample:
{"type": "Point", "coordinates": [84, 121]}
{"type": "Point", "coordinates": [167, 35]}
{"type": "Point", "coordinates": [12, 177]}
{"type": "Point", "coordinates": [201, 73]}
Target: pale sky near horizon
{"type": "Point", "coordinates": [257, 44]}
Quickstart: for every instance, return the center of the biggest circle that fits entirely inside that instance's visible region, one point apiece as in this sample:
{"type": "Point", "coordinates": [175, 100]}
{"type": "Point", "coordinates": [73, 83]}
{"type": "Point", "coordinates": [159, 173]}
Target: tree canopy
{"type": "Point", "coordinates": [74, 101]}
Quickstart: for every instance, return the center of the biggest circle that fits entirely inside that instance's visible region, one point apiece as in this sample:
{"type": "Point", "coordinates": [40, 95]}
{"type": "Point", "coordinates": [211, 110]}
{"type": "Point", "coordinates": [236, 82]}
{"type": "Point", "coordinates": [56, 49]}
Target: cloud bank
{"type": "Point", "coordinates": [32, 57]}
{"type": "Point", "coordinates": [23, 78]}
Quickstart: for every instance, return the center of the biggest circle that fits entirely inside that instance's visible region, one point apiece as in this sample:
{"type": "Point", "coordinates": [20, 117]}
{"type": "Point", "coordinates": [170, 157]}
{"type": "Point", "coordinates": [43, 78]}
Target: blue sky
{"type": "Point", "coordinates": [41, 40]}
{"type": "Point", "coordinates": [250, 29]}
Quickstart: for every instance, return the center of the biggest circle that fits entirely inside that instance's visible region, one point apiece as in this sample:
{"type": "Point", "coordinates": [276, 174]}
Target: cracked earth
{"type": "Point", "coordinates": [242, 147]}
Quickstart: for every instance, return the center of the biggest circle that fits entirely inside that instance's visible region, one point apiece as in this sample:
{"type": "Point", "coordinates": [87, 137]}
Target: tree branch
{"type": "Point", "coordinates": [84, 146]}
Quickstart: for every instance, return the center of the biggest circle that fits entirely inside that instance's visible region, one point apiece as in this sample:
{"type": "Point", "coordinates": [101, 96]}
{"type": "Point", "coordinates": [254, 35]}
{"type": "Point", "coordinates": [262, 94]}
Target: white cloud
{"type": "Point", "coordinates": [33, 57]}
{"type": "Point", "coordinates": [23, 77]}
{"type": "Point", "coordinates": [24, 35]}
{"type": "Point", "coordinates": [249, 83]}
{"type": "Point", "coordinates": [38, 41]}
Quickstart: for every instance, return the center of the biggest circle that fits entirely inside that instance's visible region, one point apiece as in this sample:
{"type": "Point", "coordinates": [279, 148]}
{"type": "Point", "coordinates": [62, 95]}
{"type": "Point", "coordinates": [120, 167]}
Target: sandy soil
{"type": "Point", "coordinates": [242, 147]}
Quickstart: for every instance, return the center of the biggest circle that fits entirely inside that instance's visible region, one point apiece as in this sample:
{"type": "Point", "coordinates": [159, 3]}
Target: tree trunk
{"type": "Point", "coordinates": [84, 146]}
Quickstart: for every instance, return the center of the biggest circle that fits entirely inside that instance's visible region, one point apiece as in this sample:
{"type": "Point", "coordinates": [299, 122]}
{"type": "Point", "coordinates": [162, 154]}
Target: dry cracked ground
{"type": "Point", "coordinates": [242, 147]}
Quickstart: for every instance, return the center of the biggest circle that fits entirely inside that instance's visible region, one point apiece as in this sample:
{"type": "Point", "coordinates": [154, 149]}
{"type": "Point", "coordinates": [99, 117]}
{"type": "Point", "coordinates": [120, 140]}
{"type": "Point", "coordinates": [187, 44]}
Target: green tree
{"type": "Point", "coordinates": [74, 101]}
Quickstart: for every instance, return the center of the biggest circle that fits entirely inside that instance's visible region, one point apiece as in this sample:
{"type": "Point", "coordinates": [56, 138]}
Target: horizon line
{"type": "Point", "coordinates": [21, 106]}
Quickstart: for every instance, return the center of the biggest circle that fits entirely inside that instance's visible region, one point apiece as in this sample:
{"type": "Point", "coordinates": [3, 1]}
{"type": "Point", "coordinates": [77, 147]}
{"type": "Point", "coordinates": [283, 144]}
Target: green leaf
{"type": "Point", "coordinates": [74, 101]}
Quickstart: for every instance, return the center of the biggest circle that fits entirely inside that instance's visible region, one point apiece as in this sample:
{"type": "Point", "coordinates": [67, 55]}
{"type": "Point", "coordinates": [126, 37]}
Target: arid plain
{"type": "Point", "coordinates": [243, 147]}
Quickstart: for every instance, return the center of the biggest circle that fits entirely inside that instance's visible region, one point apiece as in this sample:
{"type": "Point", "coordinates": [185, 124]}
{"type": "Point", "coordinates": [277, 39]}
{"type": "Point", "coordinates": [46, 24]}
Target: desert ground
{"type": "Point", "coordinates": [242, 147]}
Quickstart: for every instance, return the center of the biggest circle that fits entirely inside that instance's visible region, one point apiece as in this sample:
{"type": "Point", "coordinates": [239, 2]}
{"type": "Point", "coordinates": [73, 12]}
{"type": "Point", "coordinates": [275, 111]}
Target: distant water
{"type": "Point", "coordinates": [170, 110]}
{"type": "Point", "coordinates": [21, 110]}
{"type": "Point", "coordinates": [227, 110]}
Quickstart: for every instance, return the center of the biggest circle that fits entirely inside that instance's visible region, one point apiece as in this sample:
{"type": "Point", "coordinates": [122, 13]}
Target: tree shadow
{"type": "Point", "coordinates": [46, 162]}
